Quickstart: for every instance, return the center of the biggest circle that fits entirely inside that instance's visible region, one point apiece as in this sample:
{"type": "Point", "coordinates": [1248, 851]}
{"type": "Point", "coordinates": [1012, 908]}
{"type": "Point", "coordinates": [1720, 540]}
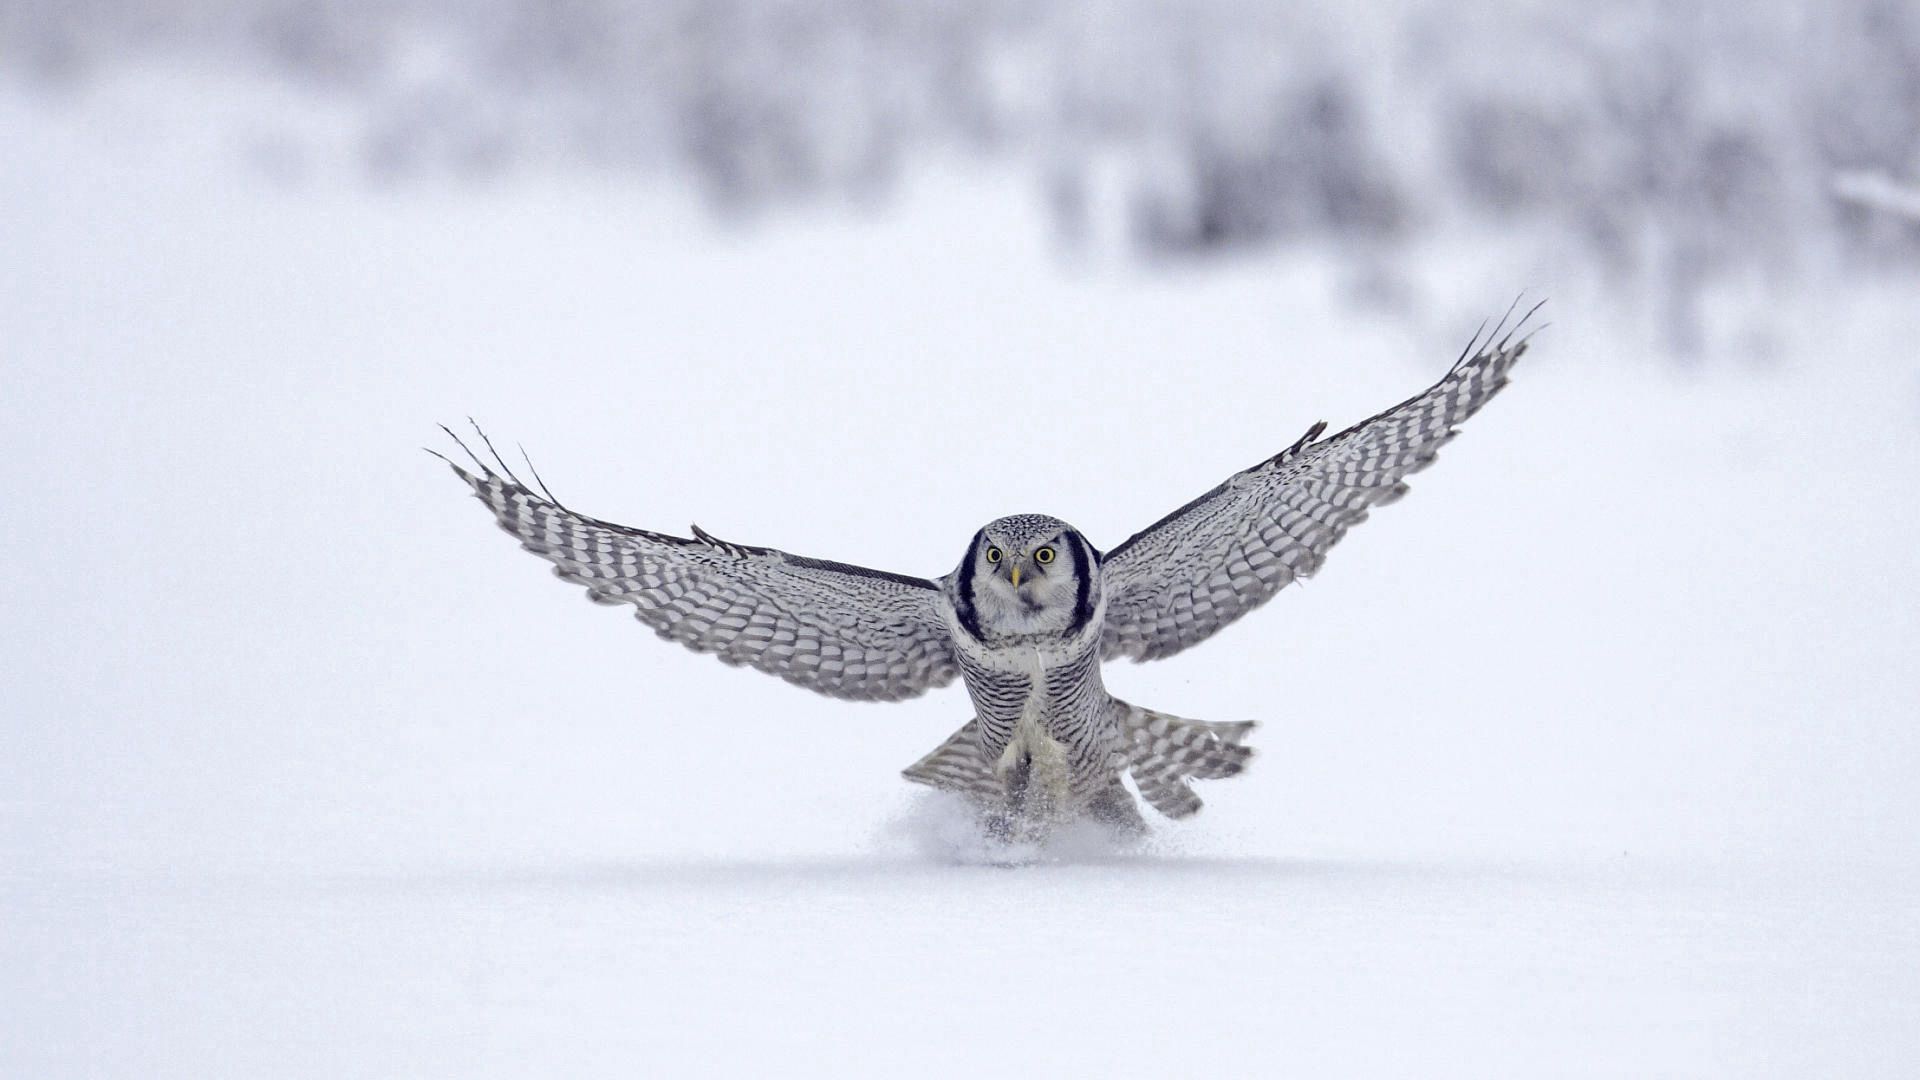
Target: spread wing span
{"type": "Point", "coordinates": [1220, 556]}
{"type": "Point", "coordinates": [840, 630]}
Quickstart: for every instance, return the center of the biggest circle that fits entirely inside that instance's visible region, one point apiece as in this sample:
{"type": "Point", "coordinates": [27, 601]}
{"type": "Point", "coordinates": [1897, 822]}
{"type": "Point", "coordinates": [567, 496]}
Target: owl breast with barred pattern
{"type": "Point", "coordinates": [1027, 611]}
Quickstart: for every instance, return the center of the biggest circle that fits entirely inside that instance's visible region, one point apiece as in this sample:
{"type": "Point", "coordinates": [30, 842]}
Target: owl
{"type": "Point", "coordinates": [1029, 615]}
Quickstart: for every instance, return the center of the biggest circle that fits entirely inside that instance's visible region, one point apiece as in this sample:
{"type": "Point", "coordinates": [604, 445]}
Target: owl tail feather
{"type": "Point", "coordinates": [1164, 752]}
{"type": "Point", "coordinates": [958, 766]}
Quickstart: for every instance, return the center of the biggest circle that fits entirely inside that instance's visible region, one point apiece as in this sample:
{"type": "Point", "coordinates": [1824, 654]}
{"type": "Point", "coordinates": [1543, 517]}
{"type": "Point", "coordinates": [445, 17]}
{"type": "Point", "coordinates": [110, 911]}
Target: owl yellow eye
{"type": "Point", "coordinates": [993, 554]}
{"type": "Point", "coordinates": [1043, 556]}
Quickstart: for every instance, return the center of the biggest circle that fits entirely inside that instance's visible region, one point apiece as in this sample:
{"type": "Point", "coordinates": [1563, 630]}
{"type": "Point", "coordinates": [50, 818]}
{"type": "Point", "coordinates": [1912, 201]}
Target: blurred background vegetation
{"type": "Point", "coordinates": [1663, 149]}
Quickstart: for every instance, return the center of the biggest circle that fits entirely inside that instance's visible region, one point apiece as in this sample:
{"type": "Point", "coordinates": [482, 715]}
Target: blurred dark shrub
{"type": "Point", "coordinates": [1670, 147]}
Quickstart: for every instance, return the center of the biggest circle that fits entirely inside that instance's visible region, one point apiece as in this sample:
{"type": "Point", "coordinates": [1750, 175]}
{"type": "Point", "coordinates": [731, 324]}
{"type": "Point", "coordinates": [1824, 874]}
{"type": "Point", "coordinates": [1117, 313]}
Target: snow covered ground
{"type": "Point", "coordinates": [1595, 756]}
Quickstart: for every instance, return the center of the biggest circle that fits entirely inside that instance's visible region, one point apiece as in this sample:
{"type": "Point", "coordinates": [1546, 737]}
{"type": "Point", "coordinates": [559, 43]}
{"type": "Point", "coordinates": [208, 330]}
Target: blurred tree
{"type": "Point", "coordinates": [1665, 150]}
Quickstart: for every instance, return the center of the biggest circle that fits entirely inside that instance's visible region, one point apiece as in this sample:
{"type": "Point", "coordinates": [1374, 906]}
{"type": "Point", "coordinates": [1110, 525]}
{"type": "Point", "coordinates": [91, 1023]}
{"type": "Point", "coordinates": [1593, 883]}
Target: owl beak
{"type": "Point", "coordinates": [1015, 573]}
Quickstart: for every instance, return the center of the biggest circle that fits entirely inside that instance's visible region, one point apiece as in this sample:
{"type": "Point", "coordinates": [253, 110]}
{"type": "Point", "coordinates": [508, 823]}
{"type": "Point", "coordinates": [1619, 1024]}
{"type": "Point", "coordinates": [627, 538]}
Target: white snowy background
{"type": "Point", "coordinates": [1595, 756]}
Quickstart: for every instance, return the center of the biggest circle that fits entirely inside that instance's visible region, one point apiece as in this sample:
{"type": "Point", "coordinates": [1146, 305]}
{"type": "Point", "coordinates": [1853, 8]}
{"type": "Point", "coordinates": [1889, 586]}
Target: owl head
{"type": "Point", "coordinates": [1027, 574]}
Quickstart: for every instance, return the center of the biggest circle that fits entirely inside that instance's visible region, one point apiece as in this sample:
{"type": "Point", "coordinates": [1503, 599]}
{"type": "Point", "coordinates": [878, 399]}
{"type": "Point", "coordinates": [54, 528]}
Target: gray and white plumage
{"type": "Point", "coordinates": [1030, 613]}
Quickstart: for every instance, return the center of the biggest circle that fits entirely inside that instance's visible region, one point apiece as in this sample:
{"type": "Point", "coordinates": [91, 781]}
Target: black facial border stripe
{"type": "Point", "coordinates": [1083, 583]}
{"type": "Point", "coordinates": [963, 588]}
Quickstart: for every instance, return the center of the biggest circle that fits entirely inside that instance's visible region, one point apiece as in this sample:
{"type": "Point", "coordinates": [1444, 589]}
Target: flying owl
{"type": "Point", "coordinates": [1029, 615]}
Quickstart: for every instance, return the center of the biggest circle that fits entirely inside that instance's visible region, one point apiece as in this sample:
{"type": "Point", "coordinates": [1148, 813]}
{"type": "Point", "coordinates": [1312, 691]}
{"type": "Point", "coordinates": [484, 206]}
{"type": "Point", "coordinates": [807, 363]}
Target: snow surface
{"type": "Point", "coordinates": [1595, 756]}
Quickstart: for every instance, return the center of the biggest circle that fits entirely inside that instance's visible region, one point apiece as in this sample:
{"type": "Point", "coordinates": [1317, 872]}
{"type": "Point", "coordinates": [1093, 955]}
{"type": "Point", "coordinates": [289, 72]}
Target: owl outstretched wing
{"type": "Point", "coordinates": [1222, 555]}
{"type": "Point", "coordinates": [844, 631]}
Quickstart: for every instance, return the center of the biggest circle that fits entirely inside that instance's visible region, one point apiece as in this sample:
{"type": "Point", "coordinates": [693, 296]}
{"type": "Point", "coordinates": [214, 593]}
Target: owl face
{"type": "Point", "coordinates": [1029, 574]}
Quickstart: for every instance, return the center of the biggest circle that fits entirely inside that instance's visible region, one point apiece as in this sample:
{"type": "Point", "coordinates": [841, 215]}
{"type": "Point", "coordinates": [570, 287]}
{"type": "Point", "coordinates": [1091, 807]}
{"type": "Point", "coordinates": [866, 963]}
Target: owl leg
{"type": "Point", "coordinates": [1006, 813]}
{"type": "Point", "coordinates": [1015, 826]}
{"type": "Point", "coordinates": [1115, 808]}
{"type": "Point", "coordinates": [1026, 812]}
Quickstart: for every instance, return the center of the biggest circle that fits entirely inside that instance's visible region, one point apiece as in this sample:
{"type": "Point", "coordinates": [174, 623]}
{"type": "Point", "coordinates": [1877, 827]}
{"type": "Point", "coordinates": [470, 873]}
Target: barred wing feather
{"type": "Point", "coordinates": [840, 630]}
{"type": "Point", "coordinates": [1188, 575]}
